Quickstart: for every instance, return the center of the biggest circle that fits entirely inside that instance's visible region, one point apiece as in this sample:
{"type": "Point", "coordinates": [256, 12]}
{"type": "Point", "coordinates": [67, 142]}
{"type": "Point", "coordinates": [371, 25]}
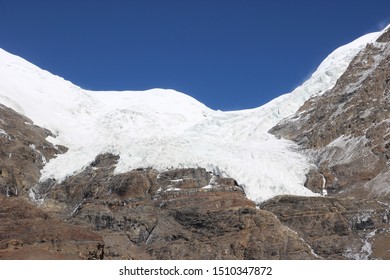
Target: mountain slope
{"type": "Point", "coordinates": [347, 129]}
{"type": "Point", "coordinates": [165, 129]}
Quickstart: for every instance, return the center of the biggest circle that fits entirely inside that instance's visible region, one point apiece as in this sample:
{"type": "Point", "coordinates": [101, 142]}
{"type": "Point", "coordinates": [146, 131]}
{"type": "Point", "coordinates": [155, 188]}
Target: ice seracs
{"type": "Point", "coordinates": [166, 129]}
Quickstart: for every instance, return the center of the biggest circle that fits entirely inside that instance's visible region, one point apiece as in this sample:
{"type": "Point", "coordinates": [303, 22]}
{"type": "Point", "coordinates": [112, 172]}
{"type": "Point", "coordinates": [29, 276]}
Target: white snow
{"type": "Point", "coordinates": [4, 134]}
{"type": "Point", "coordinates": [166, 129]}
{"type": "Point", "coordinates": [381, 183]}
{"type": "Point", "coordinates": [347, 149]}
{"type": "Point", "coordinates": [324, 191]}
{"type": "Point", "coordinates": [366, 249]}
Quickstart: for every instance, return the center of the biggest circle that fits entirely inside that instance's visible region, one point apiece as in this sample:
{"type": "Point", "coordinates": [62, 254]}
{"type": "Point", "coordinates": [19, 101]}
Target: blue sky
{"type": "Point", "coordinates": [227, 54]}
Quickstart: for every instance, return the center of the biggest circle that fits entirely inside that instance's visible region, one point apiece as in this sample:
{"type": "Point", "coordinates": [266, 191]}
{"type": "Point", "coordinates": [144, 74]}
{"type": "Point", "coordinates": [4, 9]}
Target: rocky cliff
{"type": "Point", "coordinates": [346, 130]}
{"type": "Point", "coordinates": [24, 151]}
{"type": "Point", "coordinates": [346, 133]}
{"type": "Point", "coordinates": [176, 214]}
{"type": "Point", "coordinates": [27, 232]}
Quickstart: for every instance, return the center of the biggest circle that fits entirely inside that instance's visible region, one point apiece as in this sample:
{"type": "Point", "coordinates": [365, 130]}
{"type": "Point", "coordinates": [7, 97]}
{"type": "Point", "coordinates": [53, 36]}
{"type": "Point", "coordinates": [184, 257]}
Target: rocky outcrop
{"type": "Point", "coordinates": [176, 214]}
{"type": "Point", "coordinates": [23, 152]}
{"type": "Point", "coordinates": [347, 129]}
{"type": "Point", "coordinates": [385, 37]}
{"type": "Point", "coordinates": [26, 232]}
{"type": "Point", "coordinates": [337, 228]}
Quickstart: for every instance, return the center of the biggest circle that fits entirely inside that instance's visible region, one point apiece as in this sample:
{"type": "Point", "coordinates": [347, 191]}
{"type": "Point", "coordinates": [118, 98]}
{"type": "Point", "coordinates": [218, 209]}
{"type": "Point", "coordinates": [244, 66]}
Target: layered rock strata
{"type": "Point", "coordinates": [176, 214]}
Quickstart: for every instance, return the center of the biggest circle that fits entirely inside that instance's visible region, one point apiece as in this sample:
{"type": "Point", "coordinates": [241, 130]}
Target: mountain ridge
{"type": "Point", "coordinates": [346, 132]}
{"type": "Point", "coordinates": [177, 130]}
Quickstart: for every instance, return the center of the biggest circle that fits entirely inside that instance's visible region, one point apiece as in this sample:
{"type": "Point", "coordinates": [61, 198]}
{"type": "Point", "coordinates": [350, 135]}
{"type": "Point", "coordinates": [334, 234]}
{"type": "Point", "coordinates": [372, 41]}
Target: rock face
{"type": "Point", "coordinates": [337, 228]}
{"type": "Point", "coordinates": [27, 232]}
{"type": "Point", "coordinates": [23, 152]}
{"type": "Point", "coordinates": [346, 131]}
{"type": "Point", "coordinates": [177, 214]}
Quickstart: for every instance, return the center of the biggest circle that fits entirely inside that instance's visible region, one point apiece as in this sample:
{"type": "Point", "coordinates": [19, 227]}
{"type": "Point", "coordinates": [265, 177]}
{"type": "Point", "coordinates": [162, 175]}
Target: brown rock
{"type": "Point", "coordinates": [336, 228]}
{"type": "Point", "coordinates": [145, 214]}
{"type": "Point", "coordinates": [23, 152]}
{"type": "Point", "coordinates": [27, 232]}
{"type": "Point", "coordinates": [385, 37]}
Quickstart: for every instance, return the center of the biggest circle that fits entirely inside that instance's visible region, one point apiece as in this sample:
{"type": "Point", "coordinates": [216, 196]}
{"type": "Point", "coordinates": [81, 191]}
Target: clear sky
{"type": "Point", "coordinates": [228, 54]}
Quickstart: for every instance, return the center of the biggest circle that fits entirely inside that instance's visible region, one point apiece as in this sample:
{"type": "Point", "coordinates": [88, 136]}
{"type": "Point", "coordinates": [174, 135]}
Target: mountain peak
{"type": "Point", "coordinates": [385, 36]}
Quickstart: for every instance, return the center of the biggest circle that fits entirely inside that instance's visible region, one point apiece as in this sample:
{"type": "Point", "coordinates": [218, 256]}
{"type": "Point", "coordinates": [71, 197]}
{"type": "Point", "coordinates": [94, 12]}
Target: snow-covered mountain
{"type": "Point", "coordinates": [166, 129]}
{"type": "Point", "coordinates": [103, 201]}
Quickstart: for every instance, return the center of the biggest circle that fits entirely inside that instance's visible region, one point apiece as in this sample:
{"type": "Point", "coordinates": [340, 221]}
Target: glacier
{"type": "Point", "coordinates": [165, 129]}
